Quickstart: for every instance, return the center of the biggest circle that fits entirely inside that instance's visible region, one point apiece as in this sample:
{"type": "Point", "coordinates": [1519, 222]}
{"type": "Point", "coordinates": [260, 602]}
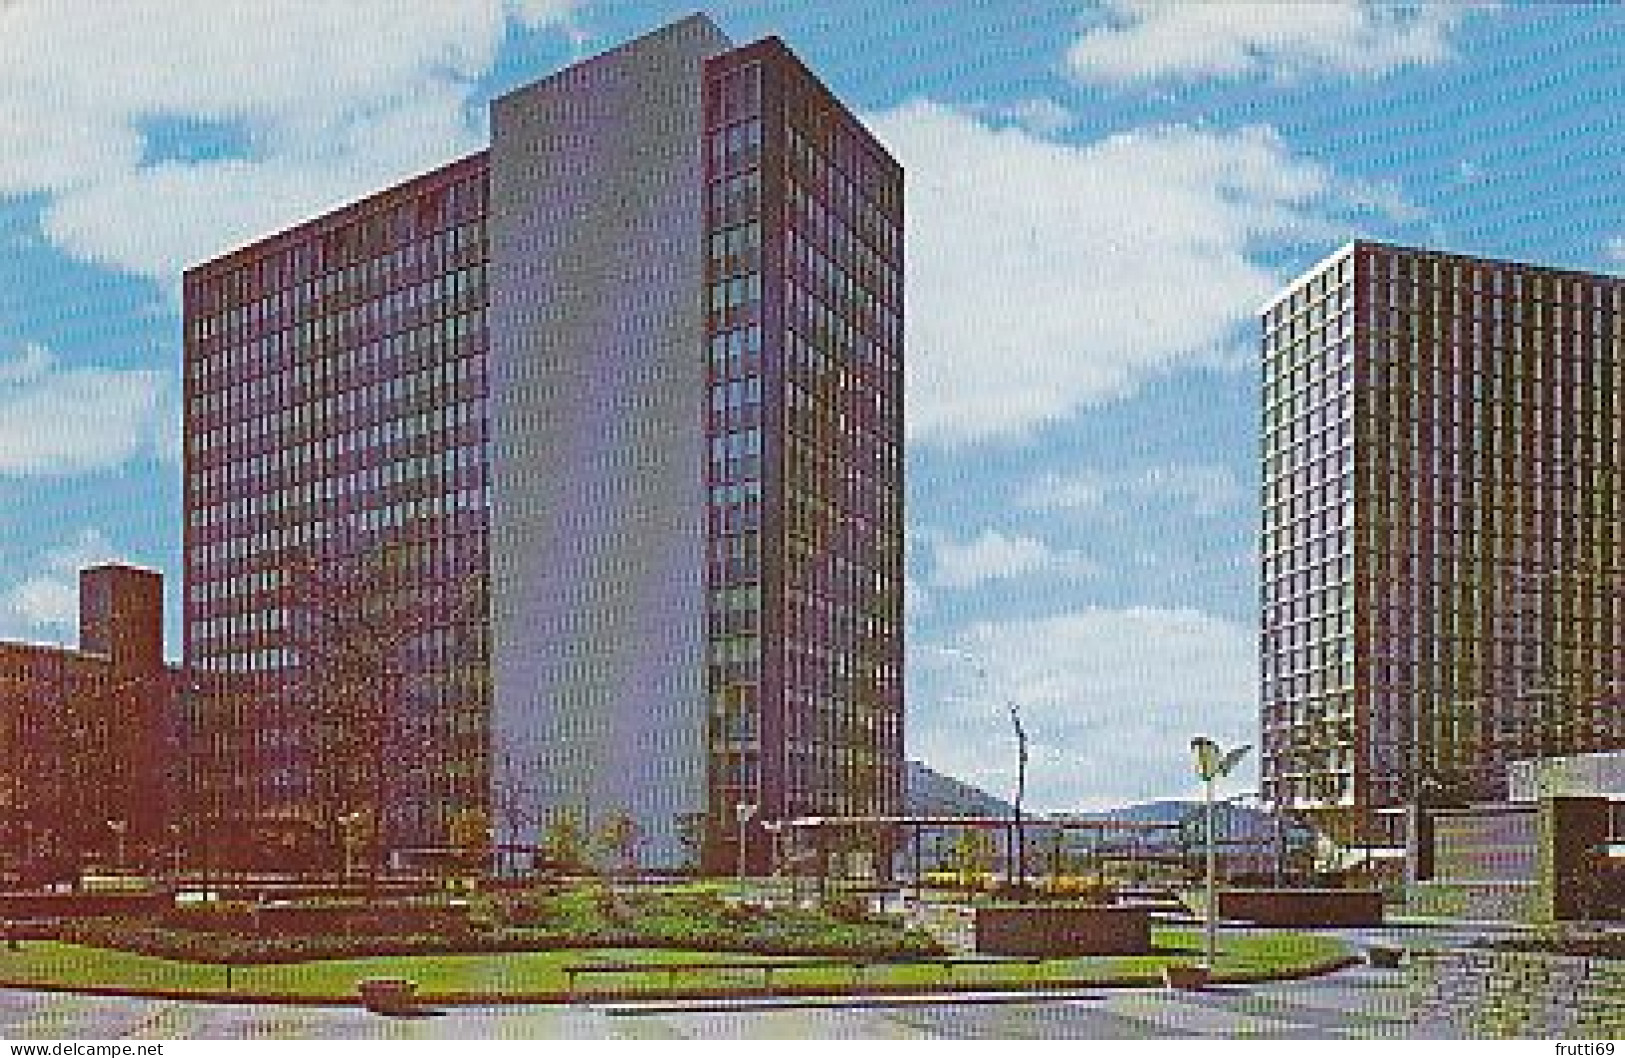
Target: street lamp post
{"type": "Point", "coordinates": [1212, 765]}
{"type": "Point", "coordinates": [174, 832]}
{"type": "Point", "coordinates": [1020, 858]}
{"type": "Point", "coordinates": [119, 827]}
{"type": "Point", "coordinates": [1018, 836]}
{"type": "Point", "coordinates": [742, 813]}
{"type": "Point", "coordinates": [775, 853]}
{"type": "Point", "coordinates": [347, 824]}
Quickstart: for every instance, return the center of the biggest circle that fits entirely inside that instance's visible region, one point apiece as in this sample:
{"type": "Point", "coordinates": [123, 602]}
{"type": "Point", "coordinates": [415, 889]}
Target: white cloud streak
{"type": "Point", "coordinates": [1198, 489]}
{"type": "Point", "coordinates": [1110, 700]}
{"type": "Point", "coordinates": [1148, 40]}
{"type": "Point", "coordinates": [993, 555]}
{"type": "Point", "coordinates": [59, 420]}
{"type": "Point", "coordinates": [1046, 277]}
{"type": "Point", "coordinates": [48, 600]}
{"type": "Point", "coordinates": [329, 101]}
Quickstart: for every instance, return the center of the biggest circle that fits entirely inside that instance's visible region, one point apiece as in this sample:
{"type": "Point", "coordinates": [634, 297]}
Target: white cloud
{"type": "Point", "coordinates": [1039, 115]}
{"type": "Point", "coordinates": [1109, 698]}
{"type": "Point", "coordinates": [1046, 276]}
{"type": "Point", "coordinates": [49, 599]}
{"type": "Point", "coordinates": [917, 600]}
{"type": "Point", "coordinates": [1614, 249]}
{"type": "Point", "coordinates": [1199, 489]}
{"type": "Point", "coordinates": [994, 555]}
{"type": "Point", "coordinates": [330, 99]}
{"type": "Point", "coordinates": [66, 420]}
{"type": "Point", "coordinates": [1142, 40]}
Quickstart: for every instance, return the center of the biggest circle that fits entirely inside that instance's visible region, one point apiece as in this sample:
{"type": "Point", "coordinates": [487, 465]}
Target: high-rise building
{"type": "Point", "coordinates": [563, 482]}
{"type": "Point", "coordinates": [1443, 581]}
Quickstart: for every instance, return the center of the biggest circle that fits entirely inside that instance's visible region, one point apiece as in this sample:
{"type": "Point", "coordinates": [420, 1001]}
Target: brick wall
{"type": "Point", "coordinates": [1302, 907]}
{"type": "Point", "coordinates": [1062, 931]}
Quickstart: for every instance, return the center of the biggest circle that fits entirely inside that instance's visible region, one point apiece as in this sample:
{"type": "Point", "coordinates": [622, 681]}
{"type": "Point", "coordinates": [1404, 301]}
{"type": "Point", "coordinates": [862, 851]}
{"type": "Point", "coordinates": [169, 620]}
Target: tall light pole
{"type": "Point", "coordinates": [347, 824]}
{"type": "Point", "coordinates": [775, 830]}
{"type": "Point", "coordinates": [1021, 791]}
{"type": "Point", "coordinates": [1212, 764]}
{"type": "Point", "coordinates": [119, 827]}
{"type": "Point", "coordinates": [742, 813]}
{"type": "Point", "coordinates": [1018, 836]}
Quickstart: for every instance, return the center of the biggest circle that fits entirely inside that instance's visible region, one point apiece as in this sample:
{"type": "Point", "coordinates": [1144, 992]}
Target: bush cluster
{"type": "Point", "coordinates": [397, 916]}
{"type": "Point", "coordinates": [205, 946]}
{"type": "Point", "coordinates": [1082, 889]}
{"type": "Point", "coordinates": [589, 916]}
{"type": "Point", "coordinates": [704, 921]}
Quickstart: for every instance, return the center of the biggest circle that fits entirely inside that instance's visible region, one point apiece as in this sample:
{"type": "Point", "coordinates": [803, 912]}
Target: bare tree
{"type": "Point", "coordinates": [353, 612]}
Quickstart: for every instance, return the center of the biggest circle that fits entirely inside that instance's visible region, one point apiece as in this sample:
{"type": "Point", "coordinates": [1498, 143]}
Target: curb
{"type": "Point", "coordinates": [850, 996]}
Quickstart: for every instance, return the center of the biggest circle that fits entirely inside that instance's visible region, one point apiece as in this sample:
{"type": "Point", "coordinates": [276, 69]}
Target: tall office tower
{"type": "Point", "coordinates": [688, 514]}
{"type": "Point", "coordinates": [1443, 527]}
{"type": "Point", "coordinates": [696, 412]}
{"type": "Point", "coordinates": [336, 529]}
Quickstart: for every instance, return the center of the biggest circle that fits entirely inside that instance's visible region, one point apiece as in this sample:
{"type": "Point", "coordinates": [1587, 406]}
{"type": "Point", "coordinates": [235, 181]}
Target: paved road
{"type": "Point", "coordinates": [1357, 1003]}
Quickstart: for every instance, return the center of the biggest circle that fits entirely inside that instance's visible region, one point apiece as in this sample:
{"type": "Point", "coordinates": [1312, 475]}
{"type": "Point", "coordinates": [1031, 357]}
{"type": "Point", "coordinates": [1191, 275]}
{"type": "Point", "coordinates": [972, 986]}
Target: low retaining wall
{"type": "Point", "coordinates": [1045, 930]}
{"type": "Point", "coordinates": [81, 905]}
{"type": "Point", "coordinates": [1516, 995]}
{"type": "Point", "coordinates": [1481, 901]}
{"type": "Point", "coordinates": [1302, 907]}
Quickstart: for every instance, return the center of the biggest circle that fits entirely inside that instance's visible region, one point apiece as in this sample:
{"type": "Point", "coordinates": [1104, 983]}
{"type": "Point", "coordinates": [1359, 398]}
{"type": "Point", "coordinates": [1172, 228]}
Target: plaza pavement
{"type": "Point", "coordinates": [1358, 1003]}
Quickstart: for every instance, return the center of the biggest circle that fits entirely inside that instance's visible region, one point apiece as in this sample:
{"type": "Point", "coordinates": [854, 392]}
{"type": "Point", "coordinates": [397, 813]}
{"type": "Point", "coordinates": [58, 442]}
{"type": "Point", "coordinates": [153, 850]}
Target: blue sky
{"type": "Point", "coordinates": [1100, 195]}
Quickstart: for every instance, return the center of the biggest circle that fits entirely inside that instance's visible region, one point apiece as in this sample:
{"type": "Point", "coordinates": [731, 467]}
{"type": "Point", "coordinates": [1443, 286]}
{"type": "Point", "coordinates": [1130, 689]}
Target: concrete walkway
{"type": "Point", "coordinates": [1357, 1003]}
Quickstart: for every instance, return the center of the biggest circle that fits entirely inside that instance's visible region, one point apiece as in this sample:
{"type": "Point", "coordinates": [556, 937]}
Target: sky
{"type": "Point", "coordinates": [1100, 195]}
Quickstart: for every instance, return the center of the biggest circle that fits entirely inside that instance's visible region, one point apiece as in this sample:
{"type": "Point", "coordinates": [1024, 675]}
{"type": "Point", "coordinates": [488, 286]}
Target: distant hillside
{"type": "Point", "coordinates": [931, 793]}
{"type": "Point", "coordinates": [1153, 812]}
{"type": "Point", "coordinates": [1234, 822]}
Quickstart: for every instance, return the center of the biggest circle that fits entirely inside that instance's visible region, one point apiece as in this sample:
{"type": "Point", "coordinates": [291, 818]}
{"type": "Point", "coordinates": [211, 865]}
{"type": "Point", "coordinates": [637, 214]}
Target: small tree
{"type": "Point", "coordinates": [971, 856]}
{"type": "Point", "coordinates": [564, 840]}
{"type": "Point", "coordinates": [691, 832]}
{"type": "Point", "coordinates": [618, 840]}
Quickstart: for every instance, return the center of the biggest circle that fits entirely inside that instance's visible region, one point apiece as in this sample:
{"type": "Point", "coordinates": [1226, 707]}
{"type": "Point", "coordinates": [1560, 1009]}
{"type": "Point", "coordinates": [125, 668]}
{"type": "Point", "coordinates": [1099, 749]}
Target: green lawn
{"type": "Point", "coordinates": [541, 973]}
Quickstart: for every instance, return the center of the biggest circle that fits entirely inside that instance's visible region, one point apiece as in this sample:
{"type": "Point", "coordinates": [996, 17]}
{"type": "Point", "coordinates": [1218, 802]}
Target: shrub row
{"type": "Point", "coordinates": [588, 917]}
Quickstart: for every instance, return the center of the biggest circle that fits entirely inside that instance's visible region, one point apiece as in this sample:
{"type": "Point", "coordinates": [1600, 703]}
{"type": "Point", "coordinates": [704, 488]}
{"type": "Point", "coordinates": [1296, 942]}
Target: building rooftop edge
{"type": "Point", "coordinates": [775, 43]}
{"type": "Point", "coordinates": [1353, 244]}
{"type": "Point", "coordinates": [48, 648]}
{"type": "Point", "coordinates": [315, 219]}
{"type": "Point", "coordinates": [133, 566]}
{"type": "Point", "coordinates": [305, 224]}
{"type": "Point", "coordinates": [1308, 274]}
{"type": "Point", "coordinates": [697, 18]}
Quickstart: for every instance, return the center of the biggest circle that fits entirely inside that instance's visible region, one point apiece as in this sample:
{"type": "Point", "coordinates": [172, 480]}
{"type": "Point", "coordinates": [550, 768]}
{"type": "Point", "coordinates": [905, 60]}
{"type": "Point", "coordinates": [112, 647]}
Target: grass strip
{"type": "Point", "coordinates": [540, 976]}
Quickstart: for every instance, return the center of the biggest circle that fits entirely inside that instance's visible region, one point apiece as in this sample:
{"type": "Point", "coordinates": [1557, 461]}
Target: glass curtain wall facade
{"type": "Point", "coordinates": [804, 431]}
{"type": "Point", "coordinates": [1311, 707]}
{"type": "Point", "coordinates": [336, 502]}
{"type": "Point", "coordinates": [1444, 526]}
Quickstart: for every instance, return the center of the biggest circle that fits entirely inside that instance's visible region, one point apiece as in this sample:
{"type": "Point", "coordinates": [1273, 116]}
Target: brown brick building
{"type": "Point", "coordinates": [84, 737]}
